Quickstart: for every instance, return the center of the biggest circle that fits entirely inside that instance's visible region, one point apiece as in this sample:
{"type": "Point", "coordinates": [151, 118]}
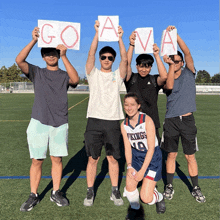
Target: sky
{"type": "Point", "coordinates": [197, 23]}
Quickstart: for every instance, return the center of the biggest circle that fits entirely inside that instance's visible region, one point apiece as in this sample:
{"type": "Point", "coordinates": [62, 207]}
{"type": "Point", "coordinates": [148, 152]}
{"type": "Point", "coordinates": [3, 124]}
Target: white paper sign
{"type": "Point", "coordinates": [144, 40]}
{"type": "Point", "coordinates": [108, 29]}
{"type": "Point", "coordinates": [169, 43]}
{"type": "Point", "coordinates": [53, 33]}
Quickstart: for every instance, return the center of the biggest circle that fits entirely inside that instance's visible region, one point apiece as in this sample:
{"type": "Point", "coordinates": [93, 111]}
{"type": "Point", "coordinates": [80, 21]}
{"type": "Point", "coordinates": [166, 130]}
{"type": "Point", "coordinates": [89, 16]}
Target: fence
{"type": "Point", "coordinates": [27, 87]}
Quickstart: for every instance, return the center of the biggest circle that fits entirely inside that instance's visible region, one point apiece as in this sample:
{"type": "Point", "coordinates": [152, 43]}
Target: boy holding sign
{"type": "Point", "coordinates": [49, 119]}
{"type": "Point", "coordinates": [179, 121]}
{"type": "Point", "coordinates": [104, 113]}
{"type": "Point", "coordinates": [146, 86]}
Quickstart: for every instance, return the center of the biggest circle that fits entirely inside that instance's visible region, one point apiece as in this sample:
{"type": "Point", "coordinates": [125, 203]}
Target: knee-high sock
{"type": "Point", "coordinates": [133, 198]}
{"type": "Point", "coordinates": [157, 197]}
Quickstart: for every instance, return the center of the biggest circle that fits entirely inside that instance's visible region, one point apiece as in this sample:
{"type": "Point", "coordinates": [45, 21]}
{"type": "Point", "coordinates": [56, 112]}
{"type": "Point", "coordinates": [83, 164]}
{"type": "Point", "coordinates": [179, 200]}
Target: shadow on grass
{"type": "Point", "coordinates": [78, 163]}
{"type": "Point", "coordinates": [179, 172]}
{"type": "Point", "coordinates": [75, 165]}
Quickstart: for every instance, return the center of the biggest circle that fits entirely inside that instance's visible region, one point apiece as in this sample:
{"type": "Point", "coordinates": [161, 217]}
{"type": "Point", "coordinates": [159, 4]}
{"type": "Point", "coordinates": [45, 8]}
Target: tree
{"type": "Point", "coordinates": [216, 78]}
{"type": "Point", "coordinates": [203, 77]}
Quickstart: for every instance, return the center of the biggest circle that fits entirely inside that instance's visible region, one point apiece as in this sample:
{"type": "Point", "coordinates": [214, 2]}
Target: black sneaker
{"type": "Point", "coordinates": [135, 214]}
{"type": "Point", "coordinates": [30, 203]}
{"type": "Point", "coordinates": [58, 198]}
{"type": "Point", "coordinates": [168, 192]}
{"type": "Point", "coordinates": [160, 207]}
{"type": "Point", "coordinates": [116, 197]}
{"type": "Point", "coordinates": [88, 201]}
{"type": "Point", "coordinates": [197, 194]}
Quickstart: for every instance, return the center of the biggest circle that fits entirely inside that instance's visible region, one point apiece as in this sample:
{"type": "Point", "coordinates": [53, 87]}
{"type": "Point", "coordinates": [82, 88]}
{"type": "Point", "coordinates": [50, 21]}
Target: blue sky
{"type": "Point", "coordinates": [197, 22]}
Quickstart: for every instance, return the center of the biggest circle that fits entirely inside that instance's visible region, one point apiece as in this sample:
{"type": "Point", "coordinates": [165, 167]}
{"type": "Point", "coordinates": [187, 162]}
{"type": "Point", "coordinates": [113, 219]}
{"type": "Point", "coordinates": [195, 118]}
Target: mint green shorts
{"type": "Point", "coordinates": [40, 136]}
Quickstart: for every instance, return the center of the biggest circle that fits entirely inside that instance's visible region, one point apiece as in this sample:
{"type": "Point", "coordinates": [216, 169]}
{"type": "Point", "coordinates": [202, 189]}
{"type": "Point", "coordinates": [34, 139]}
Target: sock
{"type": "Point", "coordinates": [159, 194]}
{"type": "Point", "coordinates": [194, 180]}
{"type": "Point", "coordinates": [114, 188]}
{"type": "Point", "coordinates": [53, 192]}
{"type": "Point", "coordinates": [90, 188]}
{"type": "Point", "coordinates": [170, 178]}
{"type": "Point", "coordinates": [36, 195]}
{"type": "Point", "coordinates": [133, 198]}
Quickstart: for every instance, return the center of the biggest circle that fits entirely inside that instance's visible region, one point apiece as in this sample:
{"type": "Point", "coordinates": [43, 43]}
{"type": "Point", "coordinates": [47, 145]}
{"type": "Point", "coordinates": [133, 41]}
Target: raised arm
{"type": "Point", "coordinates": [21, 58]}
{"type": "Point", "coordinates": [130, 54]}
{"type": "Point", "coordinates": [74, 78]}
{"type": "Point", "coordinates": [90, 63]}
{"type": "Point", "coordinates": [161, 79]}
{"type": "Point", "coordinates": [124, 60]}
{"type": "Point", "coordinates": [187, 55]}
{"type": "Point", "coordinates": [170, 78]}
{"type": "Point", "coordinates": [150, 131]}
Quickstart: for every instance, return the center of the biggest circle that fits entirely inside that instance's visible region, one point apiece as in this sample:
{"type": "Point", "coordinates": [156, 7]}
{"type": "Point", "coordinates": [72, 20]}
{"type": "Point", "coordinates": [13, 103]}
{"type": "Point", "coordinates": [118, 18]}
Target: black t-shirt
{"type": "Point", "coordinates": [147, 91]}
{"type": "Point", "coordinates": [50, 88]}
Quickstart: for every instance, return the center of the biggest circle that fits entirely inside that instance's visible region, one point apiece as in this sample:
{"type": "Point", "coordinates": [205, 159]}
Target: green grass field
{"type": "Point", "coordinates": [15, 112]}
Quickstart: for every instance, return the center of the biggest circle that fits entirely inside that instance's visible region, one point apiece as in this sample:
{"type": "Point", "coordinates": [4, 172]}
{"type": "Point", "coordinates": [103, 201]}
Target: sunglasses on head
{"type": "Point", "coordinates": [110, 58]}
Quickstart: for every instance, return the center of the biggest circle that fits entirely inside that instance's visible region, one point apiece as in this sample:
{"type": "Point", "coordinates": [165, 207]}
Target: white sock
{"type": "Point", "coordinates": [54, 192]}
{"type": "Point", "coordinates": [133, 198]}
{"type": "Point", "coordinates": [157, 197]}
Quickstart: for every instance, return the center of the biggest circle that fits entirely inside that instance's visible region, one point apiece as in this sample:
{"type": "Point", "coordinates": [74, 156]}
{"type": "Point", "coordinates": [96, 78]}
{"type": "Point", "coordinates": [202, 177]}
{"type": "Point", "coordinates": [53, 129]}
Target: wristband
{"type": "Point", "coordinates": [131, 44]}
{"type": "Point", "coordinates": [128, 167]}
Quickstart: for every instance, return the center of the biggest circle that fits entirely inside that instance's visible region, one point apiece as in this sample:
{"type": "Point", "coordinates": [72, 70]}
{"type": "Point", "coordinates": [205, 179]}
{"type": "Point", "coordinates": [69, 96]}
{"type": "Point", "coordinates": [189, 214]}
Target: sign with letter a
{"type": "Point", "coordinates": [108, 28]}
{"type": "Point", "coordinates": [169, 43]}
{"type": "Point", "coordinates": [144, 40]}
{"type": "Point", "coordinates": [53, 33]}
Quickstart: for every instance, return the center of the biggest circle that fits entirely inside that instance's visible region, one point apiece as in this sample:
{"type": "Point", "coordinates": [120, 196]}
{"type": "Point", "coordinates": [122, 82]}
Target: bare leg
{"type": "Point", "coordinates": [91, 171]}
{"type": "Point", "coordinates": [171, 162]}
{"type": "Point", "coordinates": [192, 165]}
{"type": "Point", "coordinates": [35, 174]}
{"type": "Point", "coordinates": [113, 170]}
{"type": "Point", "coordinates": [56, 171]}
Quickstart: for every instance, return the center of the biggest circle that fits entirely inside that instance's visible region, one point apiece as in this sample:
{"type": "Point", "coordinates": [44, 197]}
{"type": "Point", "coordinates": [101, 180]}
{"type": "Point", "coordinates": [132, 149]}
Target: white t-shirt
{"type": "Point", "coordinates": [104, 96]}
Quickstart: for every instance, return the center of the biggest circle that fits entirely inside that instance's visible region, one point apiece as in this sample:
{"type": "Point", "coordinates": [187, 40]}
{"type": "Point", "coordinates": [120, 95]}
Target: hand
{"type": "Point", "coordinates": [96, 26]}
{"type": "Point", "coordinates": [35, 34]}
{"type": "Point", "coordinates": [131, 172]}
{"type": "Point", "coordinates": [170, 28]}
{"type": "Point", "coordinates": [168, 60]}
{"type": "Point", "coordinates": [120, 31]}
{"type": "Point", "coordinates": [62, 49]}
{"type": "Point", "coordinates": [132, 38]}
{"type": "Point", "coordinates": [139, 176]}
{"type": "Point", "coordinates": [156, 49]}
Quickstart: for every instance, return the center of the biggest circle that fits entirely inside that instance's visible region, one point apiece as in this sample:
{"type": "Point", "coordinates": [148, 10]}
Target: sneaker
{"type": "Point", "coordinates": [135, 214]}
{"type": "Point", "coordinates": [168, 192]}
{"type": "Point", "coordinates": [116, 197]}
{"type": "Point", "coordinates": [88, 201]}
{"type": "Point", "coordinates": [197, 194]}
{"type": "Point", "coordinates": [58, 198]}
{"type": "Point", "coordinates": [30, 203]}
{"type": "Point", "coordinates": [160, 207]}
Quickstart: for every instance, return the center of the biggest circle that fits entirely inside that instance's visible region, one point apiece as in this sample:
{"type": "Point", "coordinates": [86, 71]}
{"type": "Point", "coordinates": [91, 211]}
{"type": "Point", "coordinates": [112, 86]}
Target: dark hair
{"type": "Point", "coordinates": [179, 54]}
{"type": "Point", "coordinates": [145, 59]}
{"type": "Point", "coordinates": [107, 49]}
{"type": "Point", "coordinates": [132, 95]}
{"type": "Point", "coordinates": [45, 50]}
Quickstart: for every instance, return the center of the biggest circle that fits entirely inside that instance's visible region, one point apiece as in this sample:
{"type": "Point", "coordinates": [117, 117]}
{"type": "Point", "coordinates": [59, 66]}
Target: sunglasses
{"type": "Point", "coordinates": [109, 58]}
{"type": "Point", "coordinates": [177, 61]}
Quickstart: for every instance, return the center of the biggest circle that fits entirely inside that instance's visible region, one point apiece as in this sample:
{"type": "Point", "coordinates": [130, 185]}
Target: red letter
{"type": "Point", "coordinates": [108, 27]}
{"type": "Point", "coordinates": [51, 37]}
{"type": "Point", "coordinates": [169, 42]}
{"type": "Point", "coordinates": [144, 47]}
{"type": "Point", "coordinates": [77, 36]}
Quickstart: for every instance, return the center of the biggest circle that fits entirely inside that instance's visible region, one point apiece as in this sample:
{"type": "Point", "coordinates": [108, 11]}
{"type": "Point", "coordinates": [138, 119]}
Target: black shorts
{"type": "Point", "coordinates": [183, 127]}
{"type": "Point", "coordinates": [102, 132]}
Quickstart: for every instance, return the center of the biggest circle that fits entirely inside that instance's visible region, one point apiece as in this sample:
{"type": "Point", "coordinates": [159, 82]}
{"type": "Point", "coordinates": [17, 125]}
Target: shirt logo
{"type": "Point", "coordinates": [148, 83]}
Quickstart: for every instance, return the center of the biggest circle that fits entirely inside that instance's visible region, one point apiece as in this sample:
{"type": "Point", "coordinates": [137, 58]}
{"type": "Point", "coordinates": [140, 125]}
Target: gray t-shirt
{"type": "Point", "coordinates": [181, 99]}
{"type": "Point", "coordinates": [50, 88]}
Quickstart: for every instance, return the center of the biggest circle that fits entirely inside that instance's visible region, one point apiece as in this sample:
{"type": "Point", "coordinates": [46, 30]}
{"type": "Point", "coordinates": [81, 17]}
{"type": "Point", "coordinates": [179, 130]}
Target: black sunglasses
{"type": "Point", "coordinates": [177, 61]}
{"type": "Point", "coordinates": [109, 58]}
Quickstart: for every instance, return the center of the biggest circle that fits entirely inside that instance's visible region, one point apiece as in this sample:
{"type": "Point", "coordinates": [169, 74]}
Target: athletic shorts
{"type": "Point", "coordinates": [100, 133]}
{"type": "Point", "coordinates": [154, 170]}
{"type": "Point", "coordinates": [184, 127]}
{"type": "Point", "coordinates": [39, 136]}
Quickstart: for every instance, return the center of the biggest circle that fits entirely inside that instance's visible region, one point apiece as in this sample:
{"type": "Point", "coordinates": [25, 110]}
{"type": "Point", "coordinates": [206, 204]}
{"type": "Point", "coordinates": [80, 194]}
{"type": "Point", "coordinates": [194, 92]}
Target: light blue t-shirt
{"type": "Point", "coordinates": [181, 99]}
